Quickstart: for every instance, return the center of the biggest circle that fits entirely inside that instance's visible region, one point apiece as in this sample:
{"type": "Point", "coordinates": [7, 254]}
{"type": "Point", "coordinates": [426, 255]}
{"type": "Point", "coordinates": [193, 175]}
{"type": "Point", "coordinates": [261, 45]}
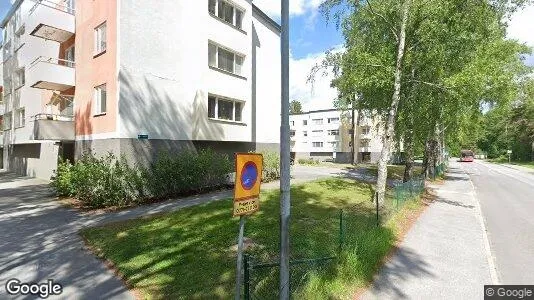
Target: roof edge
{"type": "Point", "coordinates": [316, 111]}
{"type": "Point", "coordinates": [266, 17]}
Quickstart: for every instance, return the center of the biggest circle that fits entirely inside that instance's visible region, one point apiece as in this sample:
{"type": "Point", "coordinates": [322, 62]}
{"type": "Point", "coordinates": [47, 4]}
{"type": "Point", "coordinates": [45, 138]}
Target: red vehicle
{"type": "Point", "coordinates": [467, 156]}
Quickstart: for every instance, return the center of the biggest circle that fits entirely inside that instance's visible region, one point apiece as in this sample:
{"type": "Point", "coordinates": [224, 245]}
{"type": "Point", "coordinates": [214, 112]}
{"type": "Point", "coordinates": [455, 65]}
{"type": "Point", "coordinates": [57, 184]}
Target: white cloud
{"type": "Point", "coordinates": [521, 26]}
{"type": "Point", "coordinates": [318, 95]}
{"type": "Point", "coordinates": [296, 7]}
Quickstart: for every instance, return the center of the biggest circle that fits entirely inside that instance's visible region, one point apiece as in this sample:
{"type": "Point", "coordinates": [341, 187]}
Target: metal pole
{"type": "Point", "coordinates": [238, 280]}
{"type": "Point", "coordinates": [247, 278]}
{"type": "Point", "coordinates": [377, 214]}
{"type": "Point", "coordinates": [285, 202]}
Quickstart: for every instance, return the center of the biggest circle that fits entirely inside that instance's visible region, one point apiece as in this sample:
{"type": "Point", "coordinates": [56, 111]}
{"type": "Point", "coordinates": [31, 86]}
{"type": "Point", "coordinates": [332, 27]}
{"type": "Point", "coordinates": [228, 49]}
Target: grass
{"type": "Point", "coordinates": [503, 160]}
{"type": "Point", "coordinates": [190, 253]}
{"type": "Point", "coordinates": [395, 172]}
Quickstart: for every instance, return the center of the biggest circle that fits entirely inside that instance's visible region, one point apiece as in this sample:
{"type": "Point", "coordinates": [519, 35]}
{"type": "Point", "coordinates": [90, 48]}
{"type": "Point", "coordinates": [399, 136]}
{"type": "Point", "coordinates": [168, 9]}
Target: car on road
{"type": "Point", "coordinates": [467, 156]}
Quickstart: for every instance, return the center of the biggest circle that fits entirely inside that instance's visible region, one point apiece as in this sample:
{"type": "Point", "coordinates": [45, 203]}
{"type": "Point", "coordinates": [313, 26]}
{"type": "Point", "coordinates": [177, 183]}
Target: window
{"type": "Point", "coordinates": [366, 130]}
{"type": "Point", "coordinates": [20, 78]}
{"type": "Point", "coordinates": [227, 12]}
{"type": "Point", "coordinates": [20, 118]}
{"type": "Point", "coordinates": [334, 145]}
{"type": "Point", "coordinates": [211, 6]}
{"type": "Point", "coordinates": [100, 99]}
{"type": "Point", "coordinates": [305, 122]}
{"type": "Point", "coordinates": [364, 143]}
{"type": "Point", "coordinates": [225, 109]}
{"type": "Point", "coordinates": [292, 133]}
{"type": "Point", "coordinates": [100, 39]}
{"type": "Point", "coordinates": [70, 6]}
{"type": "Point", "coordinates": [333, 132]}
{"type": "Point", "coordinates": [16, 99]}
{"type": "Point", "coordinates": [69, 57]}
{"type": "Point", "coordinates": [305, 133]}
{"type": "Point", "coordinates": [317, 133]}
{"type": "Point", "coordinates": [9, 103]}
{"type": "Point", "coordinates": [317, 144]}
{"type": "Point", "coordinates": [333, 120]}
{"type": "Point", "coordinates": [7, 121]}
{"type": "Point", "coordinates": [292, 123]}
{"type": "Point", "coordinates": [317, 121]}
{"type": "Point", "coordinates": [224, 59]}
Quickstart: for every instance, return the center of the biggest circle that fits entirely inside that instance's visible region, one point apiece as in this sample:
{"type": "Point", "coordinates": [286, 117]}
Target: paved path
{"type": "Point", "coordinates": [39, 238]}
{"type": "Point", "coordinates": [445, 255]}
{"type": "Point", "coordinates": [506, 194]}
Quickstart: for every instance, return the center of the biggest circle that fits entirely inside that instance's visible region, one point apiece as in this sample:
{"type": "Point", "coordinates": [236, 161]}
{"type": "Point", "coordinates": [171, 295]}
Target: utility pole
{"type": "Point", "coordinates": [285, 184]}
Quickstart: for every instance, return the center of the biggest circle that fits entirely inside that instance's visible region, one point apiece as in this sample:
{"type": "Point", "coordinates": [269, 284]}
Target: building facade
{"type": "Point", "coordinates": [135, 78]}
{"type": "Point", "coordinates": [326, 135]}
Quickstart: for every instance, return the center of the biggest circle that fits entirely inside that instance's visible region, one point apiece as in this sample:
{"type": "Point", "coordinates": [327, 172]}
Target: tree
{"type": "Point", "coordinates": [295, 107]}
{"type": "Point", "coordinates": [421, 66]}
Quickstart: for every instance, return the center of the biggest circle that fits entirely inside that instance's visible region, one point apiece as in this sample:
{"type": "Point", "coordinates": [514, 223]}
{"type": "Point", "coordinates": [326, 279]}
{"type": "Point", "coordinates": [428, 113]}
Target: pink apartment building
{"type": "Point", "coordinates": [135, 78]}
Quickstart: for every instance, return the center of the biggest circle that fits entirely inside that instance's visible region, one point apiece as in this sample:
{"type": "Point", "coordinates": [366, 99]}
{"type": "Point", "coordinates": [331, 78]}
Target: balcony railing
{"type": "Point", "coordinates": [51, 60]}
{"type": "Point", "coordinates": [51, 74]}
{"type": "Point", "coordinates": [51, 21]}
{"type": "Point", "coordinates": [53, 5]}
{"type": "Point", "coordinates": [53, 127]}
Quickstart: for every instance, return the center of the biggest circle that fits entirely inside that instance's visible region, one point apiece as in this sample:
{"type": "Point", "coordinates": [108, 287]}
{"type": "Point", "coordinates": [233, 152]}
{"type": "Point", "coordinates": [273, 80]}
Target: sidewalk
{"type": "Point", "coordinates": [446, 254]}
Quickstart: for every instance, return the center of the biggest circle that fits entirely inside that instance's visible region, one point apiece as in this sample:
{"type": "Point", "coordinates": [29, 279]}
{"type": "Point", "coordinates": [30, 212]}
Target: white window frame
{"type": "Point", "coordinates": [20, 77]}
{"type": "Point", "coordinates": [318, 121]}
{"type": "Point", "coordinates": [316, 133]}
{"type": "Point", "coordinates": [304, 122]}
{"type": "Point", "coordinates": [234, 111]}
{"type": "Point", "coordinates": [20, 118]}
{"type": "Point", "coordinates": [236, 54]}
{"type": "Point", "coordinates": [100, 45]}
{"type": "Point", "coordinates": [305, 133]}
{"type": "Point", "coordinates": [97, 98]}
{"type": "Point", "coordinates": [321, 145]}
{"type": "Point", "coordinates": [7, 122]}
{"type": "Point", "coordinates": [333, 120]}
{"type": "Point", "coordinates": [70, 60]}
{"type": "Point", "coordinates": [365, 143]}
{"type": "Point", "coordinates": [332, 131]}
{"type": "Point", "coordinates": [235, 9]}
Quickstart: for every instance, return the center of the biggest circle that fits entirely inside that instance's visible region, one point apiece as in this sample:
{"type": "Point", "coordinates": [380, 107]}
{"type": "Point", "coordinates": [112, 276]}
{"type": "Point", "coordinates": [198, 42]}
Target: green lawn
{"type": "Point", "coordinates": [528, 164]}
{"type": "Point", "coordinates": [394, 171]}
{"type": "Point", "coordinates": [189, 254]}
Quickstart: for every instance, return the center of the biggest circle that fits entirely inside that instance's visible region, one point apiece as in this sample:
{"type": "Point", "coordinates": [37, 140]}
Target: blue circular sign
{"type": "Point", "coordinates": [249, 175]}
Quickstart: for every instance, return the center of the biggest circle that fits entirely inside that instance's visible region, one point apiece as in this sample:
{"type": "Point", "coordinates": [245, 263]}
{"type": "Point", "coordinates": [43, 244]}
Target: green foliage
{"type": "Point", "coordinates": [108, 181]}
{"type": "Point", "coordinates": [271, 166]}
{"type": "Point", "coordinates": [295, 107]}
{"type": "Point", "coordinates": [308, 161]}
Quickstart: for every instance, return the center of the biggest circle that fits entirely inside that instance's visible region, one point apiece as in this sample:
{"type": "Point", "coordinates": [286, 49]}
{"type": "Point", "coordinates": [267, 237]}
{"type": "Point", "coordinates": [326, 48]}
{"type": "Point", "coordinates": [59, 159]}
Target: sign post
{"type": "Point", "coordinates": [509, 152]}
{"type": "Point", "coordinates": [248, 171]}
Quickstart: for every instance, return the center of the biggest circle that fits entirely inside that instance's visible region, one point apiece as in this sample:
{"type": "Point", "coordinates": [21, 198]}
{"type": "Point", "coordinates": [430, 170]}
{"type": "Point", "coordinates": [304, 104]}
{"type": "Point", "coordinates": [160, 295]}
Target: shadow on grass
{"type": "Point", "coordinates": [190, 253]}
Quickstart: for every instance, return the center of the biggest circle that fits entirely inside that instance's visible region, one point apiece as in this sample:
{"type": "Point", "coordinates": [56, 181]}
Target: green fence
{"type": "Point", "coordinates": [408, 190]}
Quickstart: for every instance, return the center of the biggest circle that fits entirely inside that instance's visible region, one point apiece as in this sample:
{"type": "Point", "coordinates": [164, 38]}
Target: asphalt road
{"type": "Point", "coordinates": [506, 197]}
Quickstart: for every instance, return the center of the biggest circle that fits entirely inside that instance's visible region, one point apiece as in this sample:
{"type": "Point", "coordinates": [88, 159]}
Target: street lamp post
{"type": "Point", "coordinates": [285, 202]}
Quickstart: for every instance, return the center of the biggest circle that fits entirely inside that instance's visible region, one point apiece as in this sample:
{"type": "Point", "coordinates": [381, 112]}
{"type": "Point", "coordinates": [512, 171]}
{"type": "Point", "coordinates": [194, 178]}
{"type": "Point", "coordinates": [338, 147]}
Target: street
{"type": "Point", "coordinates": [506, 197]}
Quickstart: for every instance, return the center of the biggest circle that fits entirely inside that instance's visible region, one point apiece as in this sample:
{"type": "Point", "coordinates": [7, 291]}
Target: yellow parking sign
{"type": "Point", "coordinates": [249, 167]}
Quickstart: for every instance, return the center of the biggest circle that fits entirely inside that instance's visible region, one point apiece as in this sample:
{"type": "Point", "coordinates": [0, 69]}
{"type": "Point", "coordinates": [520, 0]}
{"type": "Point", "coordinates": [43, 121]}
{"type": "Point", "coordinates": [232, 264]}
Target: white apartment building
{"type": "Point", "coordinates": [326, 135]}
{"type": "Point", "coordinates": [136, 78]}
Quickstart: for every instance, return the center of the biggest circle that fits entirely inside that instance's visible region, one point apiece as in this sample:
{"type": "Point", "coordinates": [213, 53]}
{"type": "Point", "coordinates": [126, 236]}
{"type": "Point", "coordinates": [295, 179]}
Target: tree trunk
{"type": "Point", "coordinates": [408, 157]}
{"type": "Point", "coordinates": [390, 125]}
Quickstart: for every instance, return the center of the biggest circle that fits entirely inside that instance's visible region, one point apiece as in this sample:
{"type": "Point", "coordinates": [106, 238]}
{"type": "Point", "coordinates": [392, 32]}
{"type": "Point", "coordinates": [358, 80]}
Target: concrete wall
{"type": "Point", "coordinates": [35, 160]}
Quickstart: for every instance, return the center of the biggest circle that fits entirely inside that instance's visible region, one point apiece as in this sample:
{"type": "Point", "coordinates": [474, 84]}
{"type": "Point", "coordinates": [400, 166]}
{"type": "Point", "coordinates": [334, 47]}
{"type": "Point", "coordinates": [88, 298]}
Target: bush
{"type": "Point", "coordinates": [108, 181]}
{"type": "Point", "coordinates": [271, 166]}
{"type": "Point", "coordinates": [308, 161]}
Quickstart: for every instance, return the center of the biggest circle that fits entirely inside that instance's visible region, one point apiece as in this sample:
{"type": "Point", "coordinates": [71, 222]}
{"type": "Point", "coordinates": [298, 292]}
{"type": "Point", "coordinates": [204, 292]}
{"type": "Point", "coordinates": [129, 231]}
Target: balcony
{"type": "Point", "coordinates": [51, 21]}
{"type": "Point", "coordinates": [53, 127]}
{"type": "Point", "coordinates": [51, 74]}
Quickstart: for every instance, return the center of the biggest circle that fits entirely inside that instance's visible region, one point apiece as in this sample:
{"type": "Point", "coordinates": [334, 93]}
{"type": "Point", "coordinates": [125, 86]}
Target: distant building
{"type": "Point", "coordinates": [326, 135]}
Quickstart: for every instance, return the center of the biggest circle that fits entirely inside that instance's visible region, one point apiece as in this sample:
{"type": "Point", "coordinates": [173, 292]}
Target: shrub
{"type": "Point", "coordinates": [307, 161]}
{"type": "Point", "coordinates": [108, 181]}
{"type": "Point", "coordinates": [271, 166]}
{"type": "Point", "coordinates": [62, 179]}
